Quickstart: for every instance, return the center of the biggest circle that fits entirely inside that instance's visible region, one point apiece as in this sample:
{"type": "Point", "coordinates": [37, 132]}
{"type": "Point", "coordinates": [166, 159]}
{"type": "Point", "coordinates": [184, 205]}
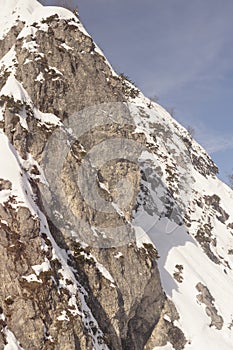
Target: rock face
{"type": "Point", "coordinates": [206, 298]}
{"type": "Point", "coordinates": [9, 40]}
{"type": "Point", "coordinates": [43, 306]}
{"type": "Point", "coordinates": [87, 170]}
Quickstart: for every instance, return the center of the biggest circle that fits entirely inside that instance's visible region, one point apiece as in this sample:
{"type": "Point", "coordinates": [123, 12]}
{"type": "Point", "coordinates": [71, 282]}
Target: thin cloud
{"type": "Point", "coordinates": [190, 50]}
{"type": "Point", "coordinates": [214, 144]}
{"type": "Point", "coordinates": [212, 141]}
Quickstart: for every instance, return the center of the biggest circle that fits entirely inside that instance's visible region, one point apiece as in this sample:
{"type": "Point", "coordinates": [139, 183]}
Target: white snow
{"type": "Point", "coordinates": [69, 281]}
{"type": "Point", "coordinates": [4, 222]}
{"type": "Point", "coordinates": [101, 268]}
{"type": "Point", "coordinates": [31, 46]}
{"type": "Point", "coordinates": [74, 310]}
{"type": "Point", "coordinates": [2, 317]}
{"type": "Point", "coordinates": [30, 12]}
{"type": "Point", "coordinates": [8, 61]}
{"type": "Point", "coordinates": [66, 47]}
{"type": "Point", "coordinates": [28, 61]}
{"type": "Point", "coordinates": [100, 52]}
{"type": "Point", "coordinates": [42, 13]}
{"type": "Point", "coordinates": [1, 114]}
{"type": "Point", "coordinates": [141, 237]}
{"type": "Point", "coordinates": [166, 347]}
{"type": "Point", "coordinates": [63, 316]}
{"type": "Point", "coordinates": [175, 245]}
{"type": "Point", "coordinates": [15, 10]}
{"type": "Point", "coordinates": [10, 170]}
{"type": "Point", "coordinates": [32, 278]}
{"type": "Point", "coordinates": [105, 273]}
{"type": "Point", "coordinates": [55, 70]}
{"type": "Point", "coordinates": [47, 119]}
{"type": "Point", "coordinates": [12, 342]}
{"type": "Point", "coordinates": [45, 266]}
{"type": "Point", "coordinates": [13, 88]}
{"type": "Point", "coordinates": [118, 255]}
{"type": "Point", "coordinates": [40, 77]}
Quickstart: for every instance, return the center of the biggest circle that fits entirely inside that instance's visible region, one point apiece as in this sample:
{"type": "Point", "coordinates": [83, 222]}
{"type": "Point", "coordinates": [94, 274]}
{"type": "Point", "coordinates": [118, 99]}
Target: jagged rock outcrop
{"type": "Point", "coordinates": [9, 40]}
{"type": "Point", "coordinates": [206, 298]}
{"type": "Point", "coordinates": [71, 79]}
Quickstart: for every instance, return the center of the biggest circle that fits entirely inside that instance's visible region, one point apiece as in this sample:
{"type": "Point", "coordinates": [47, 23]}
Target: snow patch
{"type": "Point", "coordinates": [63, 316]}
{"type": "Point", "coordinates": [12, 342]}
{"type": "Point", "coordinates": [10, 170]}
{"type": "Point", "coordinates": [66, 47]}
{"type": "Point", "coordinates": [32, 278]}
{"type": "Point", "coordinates": [44, 267]}
{"type": "Point", "coordinates": [118, 255]}
{"type": "Point", "coordinates": [40, 77]}
{"type": "Point", "coordinates": [13, 11]}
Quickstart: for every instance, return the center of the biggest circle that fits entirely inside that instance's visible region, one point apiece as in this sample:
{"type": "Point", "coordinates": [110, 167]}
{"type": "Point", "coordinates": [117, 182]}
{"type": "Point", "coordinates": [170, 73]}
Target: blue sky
{"type": "Point", "coordinates": [179, 50]}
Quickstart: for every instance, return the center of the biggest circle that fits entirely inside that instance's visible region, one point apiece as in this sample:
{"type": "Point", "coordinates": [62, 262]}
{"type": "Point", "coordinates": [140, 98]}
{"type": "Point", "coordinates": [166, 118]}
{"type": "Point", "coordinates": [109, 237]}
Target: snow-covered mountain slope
{"type": "Point", "coordinates": [13, 11]}
{"type": "Point", "coordinates": [79, 253]}
{"type": "Point", "coordinates": [196, 258]}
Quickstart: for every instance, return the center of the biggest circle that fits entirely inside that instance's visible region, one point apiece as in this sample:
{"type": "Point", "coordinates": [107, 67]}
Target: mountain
{"type": "Point", "coordinates": [115, 232]}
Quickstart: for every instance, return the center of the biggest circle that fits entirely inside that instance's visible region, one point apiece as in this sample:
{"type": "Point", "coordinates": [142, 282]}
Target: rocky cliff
{"type": "Point", "coordinates": [115, 232]}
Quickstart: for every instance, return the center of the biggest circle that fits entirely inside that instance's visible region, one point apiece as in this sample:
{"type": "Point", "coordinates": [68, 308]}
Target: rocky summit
{"type": "Point", "coordinates": [115, 231]}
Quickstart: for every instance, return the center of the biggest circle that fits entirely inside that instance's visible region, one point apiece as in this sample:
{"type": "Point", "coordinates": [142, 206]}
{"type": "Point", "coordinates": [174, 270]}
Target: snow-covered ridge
{"type": "Point", "coordinates": [13, 11]}
{"type": "Point", "coordinates": [208, 205]}
{"type": "Point", "coordinates": [34, 15]}
{"type": "Point", "coordinates": [29, 12]}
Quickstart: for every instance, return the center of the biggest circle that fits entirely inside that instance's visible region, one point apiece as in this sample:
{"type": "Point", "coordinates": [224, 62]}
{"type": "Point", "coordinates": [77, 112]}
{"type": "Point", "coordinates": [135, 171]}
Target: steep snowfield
{"type": "Point", "coordinates": [11, 171]}
{"type": "Point", "coordinates": [30, 11]}
{"type": "Point", "coordinates": [183, 263]}
{"type": "Point", "coordinates": [16, 10]}
{"type": "Point", "coordinates": [177, 245]}
{"type": "Point", "coordinates": [12, 343]}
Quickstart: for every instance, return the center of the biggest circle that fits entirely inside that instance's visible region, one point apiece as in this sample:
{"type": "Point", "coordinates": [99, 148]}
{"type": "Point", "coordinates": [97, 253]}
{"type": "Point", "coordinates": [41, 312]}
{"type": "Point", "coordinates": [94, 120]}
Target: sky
{"type": "Point", "coordinates": [178, 50]}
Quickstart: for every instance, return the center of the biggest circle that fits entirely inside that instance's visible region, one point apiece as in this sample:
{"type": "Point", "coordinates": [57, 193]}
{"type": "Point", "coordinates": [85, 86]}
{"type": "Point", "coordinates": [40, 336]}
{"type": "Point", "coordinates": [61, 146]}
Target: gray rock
{"type": "Point", "coordinates": [206, 298]}
{"type": "Point", "coordinates": [127, 311]}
